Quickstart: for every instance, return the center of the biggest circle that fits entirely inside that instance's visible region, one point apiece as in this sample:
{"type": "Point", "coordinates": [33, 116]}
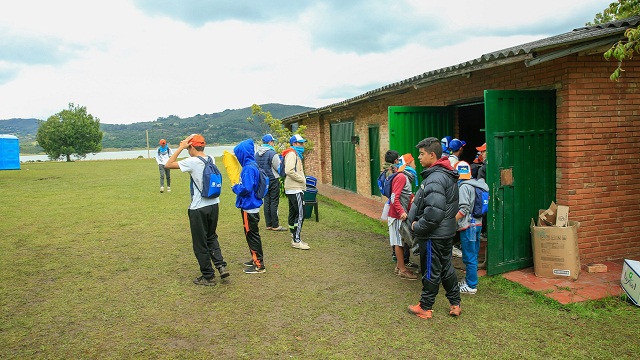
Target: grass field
{"type": "Point", "coordinates": [96, 263]}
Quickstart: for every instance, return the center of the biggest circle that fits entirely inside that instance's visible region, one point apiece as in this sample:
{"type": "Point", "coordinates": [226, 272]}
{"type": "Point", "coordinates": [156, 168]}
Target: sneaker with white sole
{"type": "Point", "coordinates": [467, 290]}
{"type": "Point", "coordinates": [161, 189]}
{"type": "Point", "coordinates": [254, 270]}
{"type": "Point", "coordinates": [168, 188]}
{"type": "Point", "coordinates": [300, 245]}
{"type": "Point", "coordinates": [248, 263]}
{"type": "Point", "coordinates": [456, 252]}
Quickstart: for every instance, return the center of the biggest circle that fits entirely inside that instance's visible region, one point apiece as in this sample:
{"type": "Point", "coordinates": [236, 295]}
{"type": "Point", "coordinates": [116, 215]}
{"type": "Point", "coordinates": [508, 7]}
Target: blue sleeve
{"type": "Point", "coordinates": [247, 182]}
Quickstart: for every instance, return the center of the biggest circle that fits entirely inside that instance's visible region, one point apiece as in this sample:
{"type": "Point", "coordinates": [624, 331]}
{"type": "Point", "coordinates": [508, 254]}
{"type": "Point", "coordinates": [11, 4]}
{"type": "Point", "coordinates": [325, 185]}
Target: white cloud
{"type": "Point", "coordinates": [129, 64]}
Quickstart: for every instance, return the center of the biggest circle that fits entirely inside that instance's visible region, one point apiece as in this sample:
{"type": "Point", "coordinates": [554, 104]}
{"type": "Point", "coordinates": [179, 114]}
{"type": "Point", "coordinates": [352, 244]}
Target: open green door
{"type": "Point", "coordinates": [410, 124]}
{"type": "Point", "coordinates": [521, 171]}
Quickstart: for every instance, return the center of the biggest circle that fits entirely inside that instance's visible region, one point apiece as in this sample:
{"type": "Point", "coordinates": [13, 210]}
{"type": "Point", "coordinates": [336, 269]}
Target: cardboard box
{"type": "Point", "coordinates": [630, 280]}
{"type": "Point", "coordinates": [555, 251]}
{"type": "Point", "coordinates": [562, 216]}
{"type": "Point", "coordinates": [548, 217]}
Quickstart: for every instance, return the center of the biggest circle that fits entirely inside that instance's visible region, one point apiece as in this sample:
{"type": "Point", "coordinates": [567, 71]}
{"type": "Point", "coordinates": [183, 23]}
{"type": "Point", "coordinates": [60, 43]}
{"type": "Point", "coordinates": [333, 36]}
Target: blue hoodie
{"type": "Point", "coordinates": [249, 177]}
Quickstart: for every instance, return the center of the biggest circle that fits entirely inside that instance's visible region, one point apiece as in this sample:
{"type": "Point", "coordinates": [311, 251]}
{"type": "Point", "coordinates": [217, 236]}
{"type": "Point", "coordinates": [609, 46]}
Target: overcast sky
{"type": "Point", "coordinates": [136, 60]}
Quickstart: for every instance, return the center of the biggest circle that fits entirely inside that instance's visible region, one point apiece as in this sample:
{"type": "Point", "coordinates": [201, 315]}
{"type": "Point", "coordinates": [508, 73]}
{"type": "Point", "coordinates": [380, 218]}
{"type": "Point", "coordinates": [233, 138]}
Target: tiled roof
{"type": "Point", "coordinates": [607, 32]}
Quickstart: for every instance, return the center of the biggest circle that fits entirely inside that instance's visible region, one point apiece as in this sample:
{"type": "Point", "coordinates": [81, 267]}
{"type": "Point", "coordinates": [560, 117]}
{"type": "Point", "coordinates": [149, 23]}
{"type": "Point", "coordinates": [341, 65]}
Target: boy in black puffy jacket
{"type": "Point", "coordinates": [433, 219]}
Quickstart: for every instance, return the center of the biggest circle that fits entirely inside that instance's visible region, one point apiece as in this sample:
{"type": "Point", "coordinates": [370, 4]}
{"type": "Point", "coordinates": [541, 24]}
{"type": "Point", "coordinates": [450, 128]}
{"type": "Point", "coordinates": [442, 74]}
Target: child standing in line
{"type": "Point", "coordinates": [203, 212]}
{"type": "Point", "coordinates": [469, 227]}
{"type": "Point", "coordinates": [249, 204]}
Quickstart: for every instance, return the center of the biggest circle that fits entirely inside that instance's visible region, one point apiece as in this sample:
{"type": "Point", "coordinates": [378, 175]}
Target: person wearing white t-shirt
{"type": "Point", "coordinates": [203, 212]}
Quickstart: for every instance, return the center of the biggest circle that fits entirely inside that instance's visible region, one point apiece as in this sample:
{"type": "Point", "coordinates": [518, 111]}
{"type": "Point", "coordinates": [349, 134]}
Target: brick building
{"type": "Point", "coordinates": [557, 129]}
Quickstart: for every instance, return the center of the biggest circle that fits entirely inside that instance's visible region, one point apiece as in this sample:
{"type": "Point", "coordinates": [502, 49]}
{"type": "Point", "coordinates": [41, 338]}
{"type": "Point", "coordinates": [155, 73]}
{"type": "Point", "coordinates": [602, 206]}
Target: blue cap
{"type": "Point", "coordinates": [267, 138]}
{"type": "Point", "coordinates": [456, 144]}
{"type": "Point", "coordinates": [296, 139]}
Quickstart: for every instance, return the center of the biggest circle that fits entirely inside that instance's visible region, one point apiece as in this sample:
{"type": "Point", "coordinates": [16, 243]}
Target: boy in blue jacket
{"type": "Point", "coordinates": [249, 204]}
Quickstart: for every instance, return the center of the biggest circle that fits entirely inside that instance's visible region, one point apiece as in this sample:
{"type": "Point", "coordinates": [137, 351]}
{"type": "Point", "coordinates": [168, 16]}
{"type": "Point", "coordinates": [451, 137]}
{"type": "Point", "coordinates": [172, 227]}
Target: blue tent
{"type": "Point", "coordinates": [9, 152]}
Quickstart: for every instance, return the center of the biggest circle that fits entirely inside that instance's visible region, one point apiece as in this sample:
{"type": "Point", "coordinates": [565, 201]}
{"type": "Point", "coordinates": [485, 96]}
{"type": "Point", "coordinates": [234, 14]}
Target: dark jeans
{"type": "Point", "coordinates": [252, 234]}
{"type": "Point", "coordinates": [203, 223]}
{"type": "Point", "coordinates": [296, 214]}
{"type": "Point", "coordinates": [271, 202]}
{"type": "Point", "coordinates": [436, 268]}
{"type": "Point", "coordinates": [164, 172]}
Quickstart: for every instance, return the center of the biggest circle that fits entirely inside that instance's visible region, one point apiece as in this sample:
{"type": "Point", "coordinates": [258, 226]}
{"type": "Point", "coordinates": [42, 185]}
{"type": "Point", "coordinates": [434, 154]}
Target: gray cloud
{"type": "Point", "coordinates": [355, 26]}
{"type": "Point", "coordinates": [7, 75]}
{"type": "Point", "coordinates": [200, 12]}
{"type": "Point", "coordinates": [34, 50]}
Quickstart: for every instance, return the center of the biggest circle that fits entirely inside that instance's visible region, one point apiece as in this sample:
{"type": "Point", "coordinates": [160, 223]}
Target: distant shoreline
{"type": "Point", "coordinates": [117, 149]}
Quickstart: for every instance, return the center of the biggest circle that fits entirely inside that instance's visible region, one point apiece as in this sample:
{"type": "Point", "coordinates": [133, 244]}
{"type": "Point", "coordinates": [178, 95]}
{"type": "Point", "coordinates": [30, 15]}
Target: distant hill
{"type": "Point", "coordinates": [227, 127]}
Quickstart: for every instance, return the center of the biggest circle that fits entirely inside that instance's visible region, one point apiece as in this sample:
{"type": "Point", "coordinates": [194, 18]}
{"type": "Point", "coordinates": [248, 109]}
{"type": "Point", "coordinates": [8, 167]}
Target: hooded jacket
{"type": "Point", "coordinates": [436, 202]}
{"type": "Point", "coordinates": [466, 198]}
{"type": "Point", "coordinates": [401, 194]}
{"type": "Point", "coordinates": [246, 198]}
{"type": "Point", "coordinates": [295, 179]}
{"type": "Point", "coordinates": [268, 160]}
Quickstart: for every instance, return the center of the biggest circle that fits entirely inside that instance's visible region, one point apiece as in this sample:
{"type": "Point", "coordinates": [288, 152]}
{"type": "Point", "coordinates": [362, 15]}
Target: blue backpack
{"type": "Point", "coordinates": [211, 180]}
{"type": "Point", "coordinates": [384, 183]}
{"type": "Point", "coordinates": [481, 203]}
{"type": "Point", "coordinates": [262, 187]}
{"type": "Point", "coordinates": [281, 171]}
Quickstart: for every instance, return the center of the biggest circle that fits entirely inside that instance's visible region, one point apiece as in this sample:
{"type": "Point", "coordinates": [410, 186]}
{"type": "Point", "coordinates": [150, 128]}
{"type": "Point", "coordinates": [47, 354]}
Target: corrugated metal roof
{"type": "Point", "coordinates": [588, 34]}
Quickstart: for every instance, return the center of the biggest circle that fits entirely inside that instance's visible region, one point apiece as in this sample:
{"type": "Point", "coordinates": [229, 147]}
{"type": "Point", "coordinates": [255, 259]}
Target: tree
{"type": "Point", "coordinates": [623, 49]}
{"type": "Point", "coordinates": [70, 132]}
{"type": "Point", "coordinates": [274, 127]}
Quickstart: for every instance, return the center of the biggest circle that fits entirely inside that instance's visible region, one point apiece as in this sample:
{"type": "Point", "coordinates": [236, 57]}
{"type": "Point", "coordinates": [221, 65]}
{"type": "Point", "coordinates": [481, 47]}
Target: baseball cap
{"type": "Point", "coordinates": [445, 141]}
{"type": "Point", "coordinates": [163, 142]}
{"type": "Point", "coordinates": [296, 138]}
{"type": "Point", "coordinates": [197, 140]}
{"type": "Point", "coordinates": [464, 170]}
{"type": "Point", "coordinates": [483, 147]}
{"type": "Point", "coordinates": [267, 138]}
{"type": "Point", "coordinates": [456, 144]}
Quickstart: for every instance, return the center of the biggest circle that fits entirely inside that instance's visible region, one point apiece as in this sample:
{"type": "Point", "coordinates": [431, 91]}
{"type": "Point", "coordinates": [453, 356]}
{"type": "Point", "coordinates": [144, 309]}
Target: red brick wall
{"type": "Point", "coordinates": [598, 153]}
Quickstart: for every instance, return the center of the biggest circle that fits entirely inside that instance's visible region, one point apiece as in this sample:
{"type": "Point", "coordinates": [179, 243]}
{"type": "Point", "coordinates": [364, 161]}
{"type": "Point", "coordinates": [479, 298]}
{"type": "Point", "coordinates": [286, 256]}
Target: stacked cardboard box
{"type": "Point", "coordinates": [555, 244]}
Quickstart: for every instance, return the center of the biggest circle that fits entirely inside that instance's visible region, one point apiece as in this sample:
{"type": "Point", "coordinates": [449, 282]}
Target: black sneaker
{"type": "Point", "coordinates": [248, 263]}
{"type": "Point", "coordinates": [223, 272]}
{"type": "Point", "coordinates": [409, 264]}
{"type": "Point", "coordinates": [204, 281]}
{"type": "Point", "coordinates": [255, 270]}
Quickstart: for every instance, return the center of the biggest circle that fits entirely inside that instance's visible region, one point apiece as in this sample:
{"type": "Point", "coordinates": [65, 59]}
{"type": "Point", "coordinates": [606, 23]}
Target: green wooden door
{"type": "Point", "coordinates": [410, 124]}
{"type": "Point", "coordinates": [343, 156]}
{"type": "Point", "coordinates": [521, 171]}
{"type": "Point", "coordinates": [374, 158]}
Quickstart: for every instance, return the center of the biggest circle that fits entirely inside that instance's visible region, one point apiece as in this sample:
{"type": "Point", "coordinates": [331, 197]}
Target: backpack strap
{"type": "Point", "coordinates": [191, 177]}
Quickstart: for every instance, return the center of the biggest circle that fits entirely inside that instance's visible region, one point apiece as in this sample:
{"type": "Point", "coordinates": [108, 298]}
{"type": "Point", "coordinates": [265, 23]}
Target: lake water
{"type": "Point", "coordinates": [214, 151]}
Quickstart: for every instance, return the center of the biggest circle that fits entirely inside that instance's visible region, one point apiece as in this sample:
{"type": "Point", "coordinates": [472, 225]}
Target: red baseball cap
{"type": "Point", "coordinates": [197, 140]}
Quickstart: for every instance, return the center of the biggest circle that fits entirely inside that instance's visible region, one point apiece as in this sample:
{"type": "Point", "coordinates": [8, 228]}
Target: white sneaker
{"type": "Point", "coordinates": [300, 245]}
{"type": "Point", "coordinates": [467, 290]}
{"type": "Point", "coordinates": [462, 283]}
{"type": "Point", "coordinates": [168, 188]}
{"type": "Point", "coordinates": [161, 189]}
{"type": "Point", "coordinates": [456, 252]}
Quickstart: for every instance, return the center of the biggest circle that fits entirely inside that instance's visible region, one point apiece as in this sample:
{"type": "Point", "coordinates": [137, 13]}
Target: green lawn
{"type": "Point", "coordinates": [96, 263]}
